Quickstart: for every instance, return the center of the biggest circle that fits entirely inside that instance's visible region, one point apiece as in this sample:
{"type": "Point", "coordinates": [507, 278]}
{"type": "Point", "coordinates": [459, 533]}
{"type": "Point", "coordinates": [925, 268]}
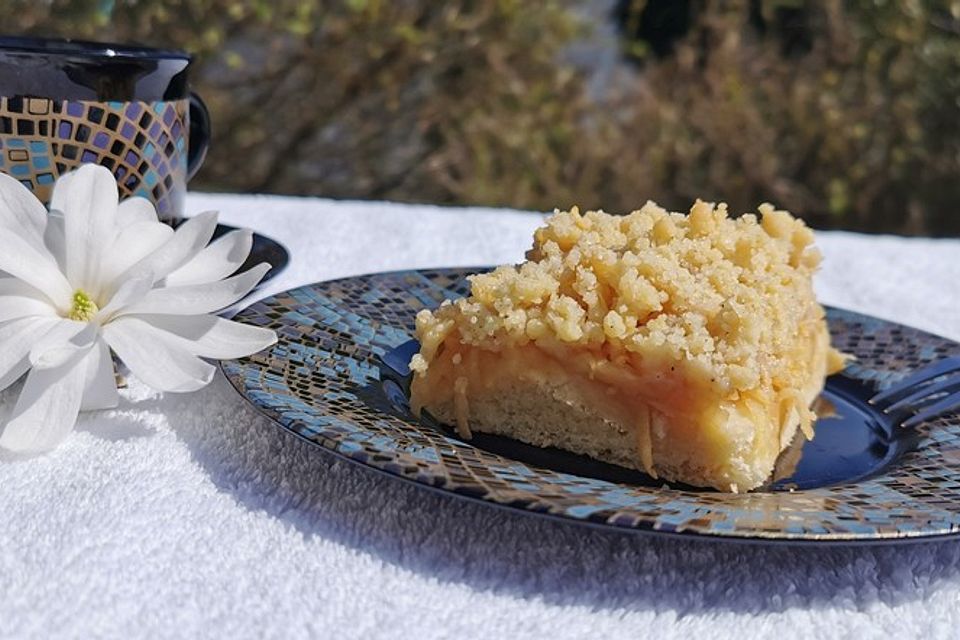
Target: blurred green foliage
{"type": "Point", "coordinates": [474, 101]}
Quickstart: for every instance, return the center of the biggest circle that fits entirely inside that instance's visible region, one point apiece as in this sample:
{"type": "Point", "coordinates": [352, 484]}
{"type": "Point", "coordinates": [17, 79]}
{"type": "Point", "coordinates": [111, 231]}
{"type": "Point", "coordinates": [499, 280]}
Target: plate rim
{"type": "Point", "coordinates": [720, 537]}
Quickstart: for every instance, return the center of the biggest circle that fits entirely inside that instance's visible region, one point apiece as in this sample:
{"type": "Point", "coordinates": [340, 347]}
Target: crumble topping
{"type": "Point", "coordinates": [722, 297]}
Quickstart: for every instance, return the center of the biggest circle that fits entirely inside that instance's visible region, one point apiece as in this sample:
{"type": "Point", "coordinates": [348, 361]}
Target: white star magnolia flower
{"type": "Point", "coordinates": [94, 276]}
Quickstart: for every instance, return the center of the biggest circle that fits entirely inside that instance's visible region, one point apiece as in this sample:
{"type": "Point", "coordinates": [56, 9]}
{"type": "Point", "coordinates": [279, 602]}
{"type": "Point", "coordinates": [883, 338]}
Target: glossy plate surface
{"type": "Point", "coordinates": [336, 378]}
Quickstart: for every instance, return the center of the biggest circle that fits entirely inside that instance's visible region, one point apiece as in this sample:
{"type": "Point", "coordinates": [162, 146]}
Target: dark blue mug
{"type": "Point", "coordinates": [65, 102]}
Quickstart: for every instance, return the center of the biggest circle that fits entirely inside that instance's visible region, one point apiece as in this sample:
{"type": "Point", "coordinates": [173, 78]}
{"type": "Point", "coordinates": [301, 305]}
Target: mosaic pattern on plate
{"type": "Point", "coordinates": [321, 382]}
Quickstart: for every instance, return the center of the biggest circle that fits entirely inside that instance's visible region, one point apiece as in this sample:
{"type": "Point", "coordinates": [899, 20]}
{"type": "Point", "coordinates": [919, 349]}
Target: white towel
{"type": "Point", "coordinates": [190, 516]}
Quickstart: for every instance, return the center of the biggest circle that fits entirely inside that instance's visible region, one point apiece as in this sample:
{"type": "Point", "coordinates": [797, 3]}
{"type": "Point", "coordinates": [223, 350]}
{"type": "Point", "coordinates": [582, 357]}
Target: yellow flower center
{"type": "Point", "coordinates": [84, 309]}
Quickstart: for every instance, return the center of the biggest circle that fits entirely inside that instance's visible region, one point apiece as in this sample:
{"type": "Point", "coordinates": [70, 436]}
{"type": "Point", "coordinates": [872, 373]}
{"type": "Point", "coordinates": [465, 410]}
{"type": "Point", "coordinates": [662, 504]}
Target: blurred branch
{"type": "Point", "coordinates": [951, 26]}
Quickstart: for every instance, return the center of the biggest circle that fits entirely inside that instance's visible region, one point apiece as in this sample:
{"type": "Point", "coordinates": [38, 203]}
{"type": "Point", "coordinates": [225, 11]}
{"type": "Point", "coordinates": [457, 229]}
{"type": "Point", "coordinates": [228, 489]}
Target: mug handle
{"type": "Point", "coordinates": [199, 141]}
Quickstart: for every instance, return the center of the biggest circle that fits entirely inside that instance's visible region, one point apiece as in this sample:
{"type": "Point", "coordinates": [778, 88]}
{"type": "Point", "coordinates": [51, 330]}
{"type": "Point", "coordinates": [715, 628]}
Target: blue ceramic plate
{"type": "Point", "coordinates": [337, 378]}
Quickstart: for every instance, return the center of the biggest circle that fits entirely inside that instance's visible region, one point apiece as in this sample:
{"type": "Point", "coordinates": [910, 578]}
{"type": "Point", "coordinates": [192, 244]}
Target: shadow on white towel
{"type": "Point", "coordinates": [268, 470]}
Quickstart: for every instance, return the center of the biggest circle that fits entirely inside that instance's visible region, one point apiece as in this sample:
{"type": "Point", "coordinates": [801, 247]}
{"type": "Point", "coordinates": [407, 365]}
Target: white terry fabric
{"type": "Point", "coordinates": [191, 516]}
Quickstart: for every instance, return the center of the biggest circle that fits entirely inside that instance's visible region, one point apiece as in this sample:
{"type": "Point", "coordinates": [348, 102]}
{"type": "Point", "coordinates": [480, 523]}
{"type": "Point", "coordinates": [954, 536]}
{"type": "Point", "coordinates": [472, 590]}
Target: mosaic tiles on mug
{"type": "Point", "coordinates": [321, 382]}
{"type": "Point", "coordinates": [142, 143]}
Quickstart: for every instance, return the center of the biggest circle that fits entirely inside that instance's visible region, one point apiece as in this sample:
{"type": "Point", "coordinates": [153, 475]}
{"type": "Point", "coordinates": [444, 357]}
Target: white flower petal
{"type": "Point", "coordinates": [62, 342]}
{"type": "Point", "coordinates": [155, 358]}
{"type": "Point", "coordinates": [130, 291]}
{"type": "Point", "coordinates": [187, 241]}
{"type": "Point", "coordinates": [222, 258]}
{"type": "Point", "coordinates": [134, 210]}
{"type": "Point", "coordinates": [47, 407]}
{"type": "Point", "coordinates": [196, 299]}
{"type": "Point", "coordinates": [16, 339]}
{"type": "Point", "coordinates": [55, 240]}
{"type": "Point", "coordinates": [90, 213]}
{"type": "Point", "coordinates": [15, 372]}
{"type": "Point", "coordinates": [134, 243]}
{"type": "Point", "coordinates": [61, 189]}
{"type": "Point", "coordinates": [21, 211]}
{"type": "Point", "coordinates": [20, 300]}
{"type": "Point", "coordinates": [16, 307]}
{"type": "Point", "coordinates": [100, 391]}
{"type": "Point", "coordinates": [21, 260]}
{"type": "Point", "coordinates": [213, 337]}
